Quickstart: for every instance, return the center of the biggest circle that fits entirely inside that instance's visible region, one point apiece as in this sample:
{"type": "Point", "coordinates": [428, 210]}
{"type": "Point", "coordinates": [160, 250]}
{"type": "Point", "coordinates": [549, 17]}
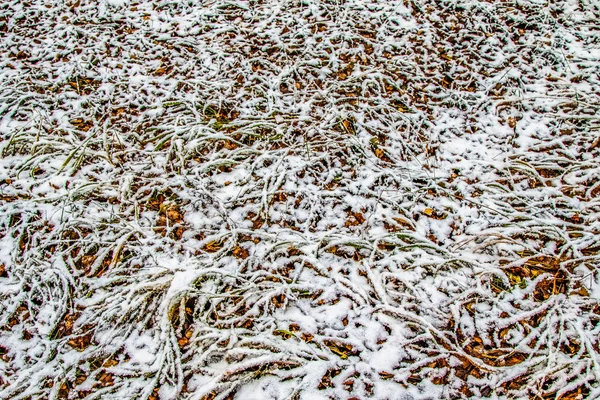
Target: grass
{"type": "Point", "coordinates": [298, 200]}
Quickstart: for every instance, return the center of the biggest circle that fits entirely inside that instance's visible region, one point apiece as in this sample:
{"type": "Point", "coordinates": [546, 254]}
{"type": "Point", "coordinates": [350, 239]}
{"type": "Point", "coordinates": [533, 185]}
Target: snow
{"type": "Point", "coordinates": [286, 199]}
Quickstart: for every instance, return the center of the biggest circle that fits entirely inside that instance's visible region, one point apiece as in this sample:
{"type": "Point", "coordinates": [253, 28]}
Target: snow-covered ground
{"type": "Point", "coordinates": [299, 199]}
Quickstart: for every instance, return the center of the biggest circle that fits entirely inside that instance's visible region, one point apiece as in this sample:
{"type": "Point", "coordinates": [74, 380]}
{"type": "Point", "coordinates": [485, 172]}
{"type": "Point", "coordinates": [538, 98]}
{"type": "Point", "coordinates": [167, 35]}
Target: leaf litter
{"type": "Point", "coordinates": [299, 199]}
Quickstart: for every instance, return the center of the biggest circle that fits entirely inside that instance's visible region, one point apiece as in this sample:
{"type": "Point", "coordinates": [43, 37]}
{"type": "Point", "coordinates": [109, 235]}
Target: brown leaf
{"type": "Point", "coordinates": [580, 291]}
{"type": "Point", "coordinates": [63, 392]}
{"type": "Point", "coordinates": [400, 221]}
{"type": "Point", "coordinates": [347, 125]}
{"type": "Point", "coordinates": [257, 223]}
{"type": "Point", "coordinates": [576, 394]}
{"type": "Point", "coordinates": [294, 327]}
{"type": "Point", "coordinates": [431, 213]}
{"type": "Point", "coordinates": [154, 395]}
{"type": "Point", "coordinates": [240, 252]}
{"type": "Point", "coordinates": [213, 246]}
{"type": "Point", "coordinates": [343, 350]}
{"type": "Point", "coordinates": [110, 362]}
{"type": "Point", "coordinates": [248, 323]}
{"type": "Point", "coordinates": [386, 246]}
{"type": "Point", "coordinates": [105, 379]}
{"type": "Point", "coordinates": [80, 379]}
{"type": "Point", "coordinates": [386, 375]}
{"type": "Point", "coordinates": [326, 380]}
{"type": "Point", "coordinates": [4, 354]}
{"type": "Point", "coordinates": [280, 197]}
{"type": "Point", "coordinates": [65, 327]}
{"type": "Point", "coordinates": [354, 219]}
{"type": "Point", "coordinates": [87, 261]}
{"type": "Point", "coordinates": [349, 385]}
{"type": "Point", "coordinates": [595, 143]}
{"type": "Point", "coordinates": [80, 343]}
{"type": "Point", "coordinates": [81, 124]}
{"type": "Point", "coordinates": [174, 215]}
{"type": "Point", "coordinates": [307, 337]}
{"type": "Point", "coordinates": [278, 300]}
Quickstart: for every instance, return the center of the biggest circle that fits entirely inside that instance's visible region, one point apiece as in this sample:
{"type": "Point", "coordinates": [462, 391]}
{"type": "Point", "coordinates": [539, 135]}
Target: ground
{"type": "Point", "coordinates": [299, 199]}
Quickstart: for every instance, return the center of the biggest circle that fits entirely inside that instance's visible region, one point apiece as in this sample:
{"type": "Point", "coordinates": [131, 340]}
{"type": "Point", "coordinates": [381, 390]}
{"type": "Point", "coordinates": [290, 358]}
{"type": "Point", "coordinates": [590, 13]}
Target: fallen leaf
{"type": "Point", "coordinates": [341, 349]}
{"type": "Point", "coordinates": [240, 252]}
{"type": "Point", "coordinates": [307, 337]}
{"type": "Point", "coordinates": [213, 246]}
{"type": "Point", "coordinates": [386, 375]}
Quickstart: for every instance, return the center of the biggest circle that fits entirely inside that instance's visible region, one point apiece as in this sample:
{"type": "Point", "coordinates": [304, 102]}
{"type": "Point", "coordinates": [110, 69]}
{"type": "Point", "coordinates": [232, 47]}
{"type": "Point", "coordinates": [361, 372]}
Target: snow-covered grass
{"type": "Point", "coordinates": [299, 199]}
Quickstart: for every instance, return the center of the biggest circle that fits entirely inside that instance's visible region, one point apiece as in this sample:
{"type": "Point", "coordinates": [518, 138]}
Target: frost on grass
{"type": "Point", "coordinates": [284, 199]}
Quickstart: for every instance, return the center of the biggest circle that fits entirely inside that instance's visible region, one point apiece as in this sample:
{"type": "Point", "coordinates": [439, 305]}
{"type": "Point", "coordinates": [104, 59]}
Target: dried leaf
{"type": "Point", "coordinates": [341, 349]}
{"type": "Point", "coordinates": [240, 252]}
{"type": "Point", "coordinates": [307, 337]}
{"type": "Point", "coordinates": [213, 246]}
{"type": "Point", "coordinates": [386, 375]}
{"type": "Point", "coordinates": [82, 342]}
